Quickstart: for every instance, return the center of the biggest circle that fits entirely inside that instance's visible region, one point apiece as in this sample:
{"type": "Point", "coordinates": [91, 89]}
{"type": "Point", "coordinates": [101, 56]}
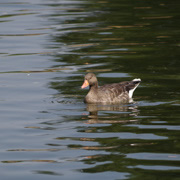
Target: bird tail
{"type": "Point", "coordinates": [137, 80]}
{"type": "Point", "coordinates": [133, 86]}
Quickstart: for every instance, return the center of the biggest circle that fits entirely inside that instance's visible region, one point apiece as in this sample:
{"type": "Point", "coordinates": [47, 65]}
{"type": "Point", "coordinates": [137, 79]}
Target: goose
{"type": "Point", "coordinates": [115, 93]}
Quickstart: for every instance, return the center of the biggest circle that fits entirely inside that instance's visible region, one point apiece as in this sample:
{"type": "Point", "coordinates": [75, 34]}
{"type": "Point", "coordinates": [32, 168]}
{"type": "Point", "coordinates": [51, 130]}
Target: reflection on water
{"type": "Point", "coordinates": [46, 129]}
{"type": "Point", "coordinates": [124, 111]}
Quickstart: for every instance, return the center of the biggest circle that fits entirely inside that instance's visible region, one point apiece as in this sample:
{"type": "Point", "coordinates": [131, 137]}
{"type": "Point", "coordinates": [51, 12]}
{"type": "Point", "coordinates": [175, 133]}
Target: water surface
{"type": "Point", "coordinates": [46, 48]}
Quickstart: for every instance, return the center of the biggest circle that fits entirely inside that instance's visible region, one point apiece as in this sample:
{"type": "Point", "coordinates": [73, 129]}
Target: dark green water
{"type": "Point", "coordinates": [46, 48]}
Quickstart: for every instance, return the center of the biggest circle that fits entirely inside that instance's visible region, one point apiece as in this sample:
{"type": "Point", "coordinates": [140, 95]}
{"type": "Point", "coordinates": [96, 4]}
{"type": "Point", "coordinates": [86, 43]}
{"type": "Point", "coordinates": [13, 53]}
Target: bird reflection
{"type": "Point", "coordinates": [122, 111]}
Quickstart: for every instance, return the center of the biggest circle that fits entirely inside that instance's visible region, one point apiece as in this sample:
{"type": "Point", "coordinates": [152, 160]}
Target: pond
{"type": "Point", "coordinates": [46, 48]}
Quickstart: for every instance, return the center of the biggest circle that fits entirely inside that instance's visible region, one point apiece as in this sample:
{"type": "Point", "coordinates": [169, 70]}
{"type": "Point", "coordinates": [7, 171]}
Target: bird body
{"type": "Point", "coordinates": [110, 93]}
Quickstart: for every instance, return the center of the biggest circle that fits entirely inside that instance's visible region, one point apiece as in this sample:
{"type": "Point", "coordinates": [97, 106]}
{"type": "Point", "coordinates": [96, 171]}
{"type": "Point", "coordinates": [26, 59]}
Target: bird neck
{"type": "Point", "coordinates": [94, 86]}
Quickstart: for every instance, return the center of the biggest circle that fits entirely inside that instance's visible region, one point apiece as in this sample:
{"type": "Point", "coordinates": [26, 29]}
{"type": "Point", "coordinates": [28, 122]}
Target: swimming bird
{"type": "Point", "coordinates": [115, 93]}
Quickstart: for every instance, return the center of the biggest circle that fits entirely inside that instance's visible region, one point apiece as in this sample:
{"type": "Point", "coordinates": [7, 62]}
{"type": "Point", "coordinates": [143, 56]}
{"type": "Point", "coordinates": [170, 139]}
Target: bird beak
{"type": "Point", "coordinates": [85, 84]}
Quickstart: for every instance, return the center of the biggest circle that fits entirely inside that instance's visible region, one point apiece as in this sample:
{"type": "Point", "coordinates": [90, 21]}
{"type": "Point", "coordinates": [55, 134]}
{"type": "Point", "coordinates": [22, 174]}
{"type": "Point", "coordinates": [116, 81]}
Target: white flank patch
{"type": "Point", "coordinates": [131, 93]}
